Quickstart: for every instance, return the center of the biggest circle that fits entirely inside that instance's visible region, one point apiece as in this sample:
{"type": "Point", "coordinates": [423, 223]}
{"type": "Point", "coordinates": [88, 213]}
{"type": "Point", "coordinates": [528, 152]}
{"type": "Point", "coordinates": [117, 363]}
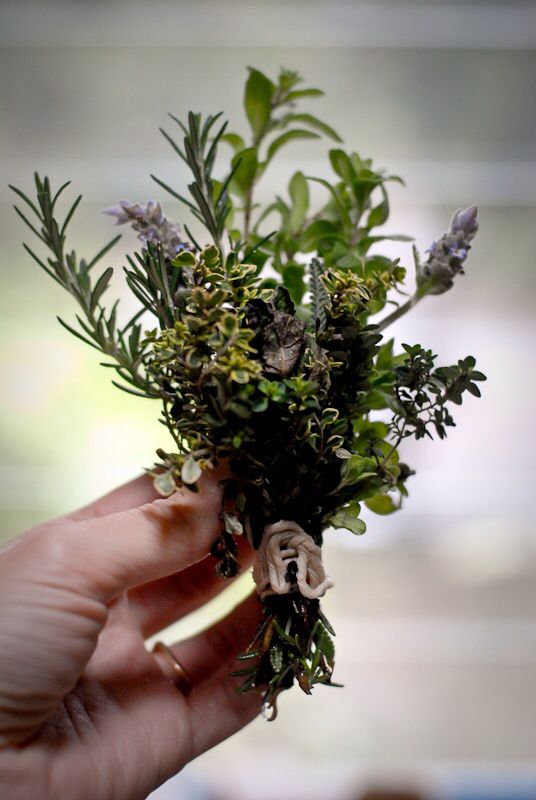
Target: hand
{"type": "Point", "coordinates": [85, 710]}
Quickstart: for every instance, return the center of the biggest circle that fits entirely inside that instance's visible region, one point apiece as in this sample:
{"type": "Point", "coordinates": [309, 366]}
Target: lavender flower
{"type": "Point", "coordinates": [465, 221]}
{"type": "Point", "coordinates": [447, 255]}
{"type": "Point", "coordinates": [151, 224]}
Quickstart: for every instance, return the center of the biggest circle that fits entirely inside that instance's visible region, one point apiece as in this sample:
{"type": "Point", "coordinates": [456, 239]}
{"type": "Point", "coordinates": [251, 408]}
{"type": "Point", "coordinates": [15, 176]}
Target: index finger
{"type": "Point", "coordinates": [102, 556]}
{"type": "Point", "coordinates": [135, 493]}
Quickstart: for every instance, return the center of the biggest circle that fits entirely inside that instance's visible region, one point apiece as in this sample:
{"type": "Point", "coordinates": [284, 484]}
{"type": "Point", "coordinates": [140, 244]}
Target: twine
{"type": "Point", "coordinates": [284, 542]}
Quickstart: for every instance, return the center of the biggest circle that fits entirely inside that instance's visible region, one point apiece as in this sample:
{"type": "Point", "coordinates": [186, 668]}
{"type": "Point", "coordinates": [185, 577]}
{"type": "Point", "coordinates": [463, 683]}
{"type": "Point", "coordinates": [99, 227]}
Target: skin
{"type": "Point", "coordinates": [85, 710]}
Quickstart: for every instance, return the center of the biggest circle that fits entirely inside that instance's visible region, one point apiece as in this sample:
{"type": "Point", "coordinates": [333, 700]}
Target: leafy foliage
{"type": "Point", "coordinates": [421, 393]}
{"type": "Point", "coordinates": [260, 347]}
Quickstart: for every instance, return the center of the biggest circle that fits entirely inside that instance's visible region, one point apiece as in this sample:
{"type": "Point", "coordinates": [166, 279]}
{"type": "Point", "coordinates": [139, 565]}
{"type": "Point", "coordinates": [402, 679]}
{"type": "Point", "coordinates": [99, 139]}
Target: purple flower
{"type": "Point", "coordinates": [151, 224]}
{"type": "Point", "coordinates": [446, 256]}
{"type": "Point", "coordinates": [458, 252]}
{"type": "Point", "coordinates": [465, 221]}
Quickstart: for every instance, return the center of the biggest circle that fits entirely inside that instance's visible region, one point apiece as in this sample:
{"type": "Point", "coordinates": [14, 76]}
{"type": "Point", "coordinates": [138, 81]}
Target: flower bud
{"type": "Point", "coordinates": [447, 255]}
{"type": "Point", "coordinates": [465, 221]}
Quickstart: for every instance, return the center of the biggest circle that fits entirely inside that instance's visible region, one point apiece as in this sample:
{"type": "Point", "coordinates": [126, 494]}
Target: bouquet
{"type": "Point", "coordinates": [255, 338]}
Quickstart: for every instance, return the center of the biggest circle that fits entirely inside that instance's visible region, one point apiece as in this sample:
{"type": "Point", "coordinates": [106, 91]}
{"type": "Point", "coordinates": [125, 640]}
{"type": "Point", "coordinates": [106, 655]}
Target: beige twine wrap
{"type": "Point", "coordinates": [283, 542]}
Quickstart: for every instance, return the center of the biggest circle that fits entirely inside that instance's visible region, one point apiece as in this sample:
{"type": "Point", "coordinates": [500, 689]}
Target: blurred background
{"type": "Point", "coordinates": [435, 607]}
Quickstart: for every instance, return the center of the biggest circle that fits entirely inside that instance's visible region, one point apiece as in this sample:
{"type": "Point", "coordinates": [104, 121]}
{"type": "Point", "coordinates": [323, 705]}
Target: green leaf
{"type": "Point", "coordinates": [191, 471]}
{"type": "Point", "coordinates": [346, 518]}
{"type": "Point", "coordinates": [288, 79]}
{"type": "Point", "coordinates": [75, 333]}
{"type": "Point", "coordinates": [70, 213]}
{"type": "Point", "coordinates": [293, 280]}
{"type": "Point", "coordinates": [342, 452]}
{"type": "Point", "coordinates": [473, 389]}
{"type": "Point", "coordinates": [381, 504]}
{"type": "Point", "coordinates": [349, 262]}
{"type": "Point", "coordinates": [326, 645]}
{"type": "Point", "coordinates": [260, 405]}
{"type": "Point", "coordinates": [380, 213]}
{"type": "Point", "coordinates": [100, 255]}
{"type": "Point", "coordinates": [184, 259]}
{"type": "Point", "coordinates": [376, 399]}
{"type": "Point", "coordinates": [245, 164]}
{"type": "Point", "coordinates": [314, 122]}
{"type": "Point", "coordinates": [330, 415]}
{"type": "Point", "coordinates": [247, 656]}
{"type": "Point", "coordinates": [268, 283]}
{"type": "Point", "coordinates": [339, 204]}
{"type": "Point", "coordinates": [238, 673]}
{"type": "Point", "coordinates": [367, 241]}
{"type": "Point", "coordinates": [100, 287]}
{"type": "Point", "coordinates": [319, 295]}
{"type": "Point", "coordinates": [315, 233]}
{"type": "Point", "coordinates": [342, 165]}
{"type": "Point", "coordinates": [356, 468]}
{"type": "Point", "coordinates": [173, 193]}
{"type": "Point", "coordinates": [258, 101]}
{"type": "Point", "coordinates": [477, 376]}
{"type": "Point", "coordinates": [283, 634]}
{"type": "Point", "coordinates": [239, 375]}
{"type": "Point", "coordinates": [236, 141]}
{"type": "Point", "coordinates": [289, 136]}
{"type": "Point", "coordinates": [134, 340]}
{"type": "Point", "coordinates": [282, 300]}
{"type": "Point", "coordinates": [173, 145]}
{"type": "Point", "coordinates": [300, 94]}
{"type": "Point", "coordinates": [299, 194]}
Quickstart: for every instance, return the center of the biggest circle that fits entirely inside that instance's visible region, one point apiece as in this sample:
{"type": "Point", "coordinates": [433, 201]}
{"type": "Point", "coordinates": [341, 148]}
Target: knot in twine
{"type": "Point", "coordinates": [282, 543]}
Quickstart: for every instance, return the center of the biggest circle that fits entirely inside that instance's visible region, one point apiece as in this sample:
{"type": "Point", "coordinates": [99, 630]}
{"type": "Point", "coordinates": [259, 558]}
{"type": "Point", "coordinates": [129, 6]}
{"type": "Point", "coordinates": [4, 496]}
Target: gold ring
{"type": "Point", "coordinates": [181, 679]}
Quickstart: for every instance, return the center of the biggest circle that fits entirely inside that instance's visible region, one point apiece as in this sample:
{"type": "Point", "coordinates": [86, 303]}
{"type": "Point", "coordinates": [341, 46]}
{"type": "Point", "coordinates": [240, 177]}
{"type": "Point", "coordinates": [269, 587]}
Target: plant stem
{"type": "Point", "coordinates": [256, 142]}
{"type": "Point", "coordinates": [247, 213]}
{"type": "Point", "coordinates": [401, 310]}
{"type": "Point", "coordinates": [394, 447]}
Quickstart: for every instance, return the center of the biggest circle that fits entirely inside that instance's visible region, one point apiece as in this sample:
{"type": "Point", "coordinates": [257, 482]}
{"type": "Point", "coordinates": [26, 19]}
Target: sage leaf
{"type": "Point", "coordinates": [258, 100]}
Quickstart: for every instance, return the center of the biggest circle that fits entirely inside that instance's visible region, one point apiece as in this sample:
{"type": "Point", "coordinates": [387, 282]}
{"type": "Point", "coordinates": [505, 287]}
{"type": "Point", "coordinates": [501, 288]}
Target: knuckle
{"type": "Point", "coordinates": [185, 512]}
{"type": "Point", "coordinates": [39, 553]}
{"type": "Point", "coordinates": [54, 547]}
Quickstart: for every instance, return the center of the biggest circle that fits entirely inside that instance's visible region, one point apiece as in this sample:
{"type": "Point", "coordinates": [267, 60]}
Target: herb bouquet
{"type": "Point", "coordinates": [259, 348]}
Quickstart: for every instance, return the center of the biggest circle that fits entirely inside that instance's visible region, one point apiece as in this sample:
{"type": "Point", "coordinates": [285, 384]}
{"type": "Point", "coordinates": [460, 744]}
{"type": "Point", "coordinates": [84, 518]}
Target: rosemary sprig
{"type": "Point", "coordinates": [97, 326]}
{"type": "Point", "coordinates": [211, 199]}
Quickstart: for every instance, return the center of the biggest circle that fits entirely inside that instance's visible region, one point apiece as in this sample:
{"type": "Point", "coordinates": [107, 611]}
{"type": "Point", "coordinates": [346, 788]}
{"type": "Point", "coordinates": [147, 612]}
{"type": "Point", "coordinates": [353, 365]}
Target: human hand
{"type": "Point", "coordinates": [85, 710]}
